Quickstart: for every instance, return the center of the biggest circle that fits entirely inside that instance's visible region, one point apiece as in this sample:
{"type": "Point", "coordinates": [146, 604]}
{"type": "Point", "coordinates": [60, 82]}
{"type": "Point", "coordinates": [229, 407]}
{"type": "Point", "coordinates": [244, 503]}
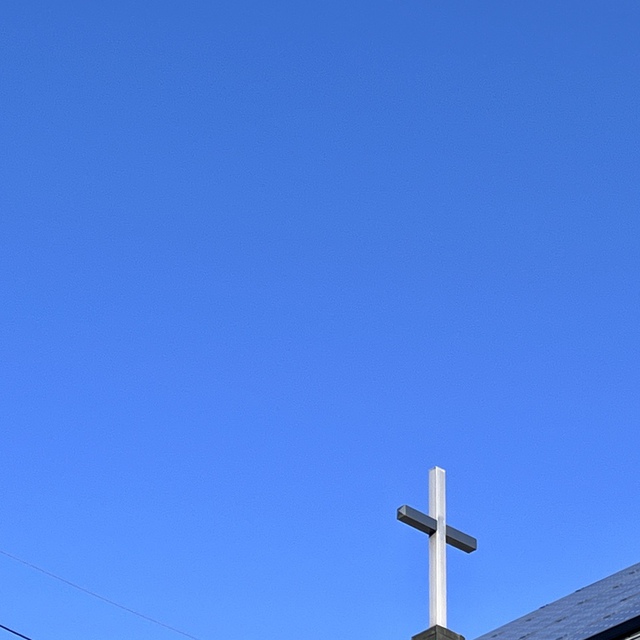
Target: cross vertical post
{"type": "Point", "coordinates": [438, 549]}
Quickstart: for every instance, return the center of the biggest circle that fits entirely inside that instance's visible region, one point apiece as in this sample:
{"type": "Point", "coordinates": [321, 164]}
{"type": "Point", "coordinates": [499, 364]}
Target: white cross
{"type": "Point", "coordinates": [440, 533]}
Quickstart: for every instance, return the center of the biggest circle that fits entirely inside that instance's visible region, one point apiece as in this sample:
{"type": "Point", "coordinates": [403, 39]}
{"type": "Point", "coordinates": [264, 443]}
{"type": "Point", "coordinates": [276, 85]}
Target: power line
{"type": "Point", "coordinates": [15, 633]}
{"type": "Point", "coordinates": [94, 595]}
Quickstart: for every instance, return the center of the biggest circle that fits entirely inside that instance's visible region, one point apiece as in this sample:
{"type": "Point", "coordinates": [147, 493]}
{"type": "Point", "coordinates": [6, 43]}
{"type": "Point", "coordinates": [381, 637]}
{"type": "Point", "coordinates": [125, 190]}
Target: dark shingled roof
{"type": "Point", "coordinates": [606, 610]}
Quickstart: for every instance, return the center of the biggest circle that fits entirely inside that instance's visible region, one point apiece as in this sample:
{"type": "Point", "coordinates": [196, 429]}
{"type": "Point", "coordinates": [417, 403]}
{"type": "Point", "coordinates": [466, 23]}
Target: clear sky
{"type": "Point", "coordinates": [264, 264]}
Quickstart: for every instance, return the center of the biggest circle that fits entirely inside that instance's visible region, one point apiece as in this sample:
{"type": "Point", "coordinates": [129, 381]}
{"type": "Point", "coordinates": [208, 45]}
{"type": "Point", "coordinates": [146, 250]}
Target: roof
{"type": "Point", "coordinates": [606, 610]}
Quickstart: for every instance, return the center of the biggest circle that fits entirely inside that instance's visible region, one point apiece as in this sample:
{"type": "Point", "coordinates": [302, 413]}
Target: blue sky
{"type": "Point", "coordinates": [262, 265]}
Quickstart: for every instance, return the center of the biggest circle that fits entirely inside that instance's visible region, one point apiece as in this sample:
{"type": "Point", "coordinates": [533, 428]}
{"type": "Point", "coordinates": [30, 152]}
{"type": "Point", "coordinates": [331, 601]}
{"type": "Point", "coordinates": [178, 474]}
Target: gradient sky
{"type": "Point", "coordinates": [262, 265]}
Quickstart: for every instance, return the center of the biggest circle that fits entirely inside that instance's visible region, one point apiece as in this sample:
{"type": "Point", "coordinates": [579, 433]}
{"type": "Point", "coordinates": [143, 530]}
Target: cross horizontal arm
{"type": "Point", "coordinates": [417, 519]}
{"type": "Point", "coordinates": [428, 525]}
{"type": "Point", "coordinates": [461, 540]}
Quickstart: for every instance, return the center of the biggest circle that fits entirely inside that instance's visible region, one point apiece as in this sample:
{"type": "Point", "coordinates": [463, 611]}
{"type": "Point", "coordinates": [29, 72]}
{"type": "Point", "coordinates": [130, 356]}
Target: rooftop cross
{"type": "Point", "coordinates": [440, 533]}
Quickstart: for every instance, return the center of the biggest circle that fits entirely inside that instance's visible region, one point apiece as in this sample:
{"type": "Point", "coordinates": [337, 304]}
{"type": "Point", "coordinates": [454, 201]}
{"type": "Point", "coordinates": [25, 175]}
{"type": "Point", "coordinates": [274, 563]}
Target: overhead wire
{"type": "Point", "coordinates": [15, 633]}
{"type": "Point", "coordinates": [94, 595]}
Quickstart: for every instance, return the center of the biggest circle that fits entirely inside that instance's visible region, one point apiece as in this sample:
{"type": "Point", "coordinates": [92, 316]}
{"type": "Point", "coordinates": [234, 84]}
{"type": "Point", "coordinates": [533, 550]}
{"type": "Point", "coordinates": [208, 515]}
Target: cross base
{"type": "Point", "coordinates": [437, 633]}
